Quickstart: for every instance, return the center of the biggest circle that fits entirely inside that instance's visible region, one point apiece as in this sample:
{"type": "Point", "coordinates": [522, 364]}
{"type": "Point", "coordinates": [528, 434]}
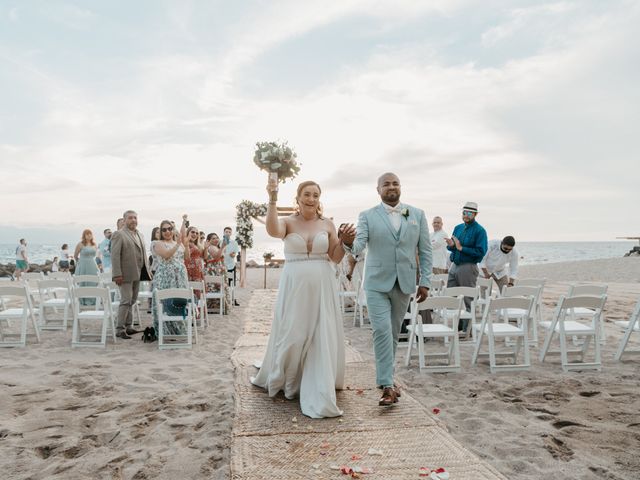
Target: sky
{"type": "Point", "coordinates": [529, 108]}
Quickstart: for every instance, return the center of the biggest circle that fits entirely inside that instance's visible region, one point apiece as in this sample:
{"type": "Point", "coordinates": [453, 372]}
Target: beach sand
{"type": "Point", "coordinates": [133, 412]}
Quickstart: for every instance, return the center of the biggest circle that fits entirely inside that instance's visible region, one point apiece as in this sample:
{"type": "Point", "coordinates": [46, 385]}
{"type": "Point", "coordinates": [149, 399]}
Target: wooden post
{"type": "Point", "coordinates": [265, 274]}
{"type": "Point", "coordinates": [243, 267]}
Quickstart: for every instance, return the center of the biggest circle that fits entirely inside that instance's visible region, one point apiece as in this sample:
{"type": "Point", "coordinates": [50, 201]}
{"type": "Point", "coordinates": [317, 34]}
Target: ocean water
{"type": "Point", "coordinates": [530, 252]}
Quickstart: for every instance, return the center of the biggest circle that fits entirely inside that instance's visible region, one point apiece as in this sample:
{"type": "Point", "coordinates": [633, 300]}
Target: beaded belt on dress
{"type": "Point", "coordinates": [308, 258]}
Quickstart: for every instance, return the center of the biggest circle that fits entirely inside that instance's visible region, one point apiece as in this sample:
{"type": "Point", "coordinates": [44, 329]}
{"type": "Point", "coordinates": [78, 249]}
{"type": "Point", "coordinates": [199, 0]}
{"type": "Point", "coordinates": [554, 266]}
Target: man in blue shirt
{"type": "Point", "coordinates": [468, 246]}
{"type": "Point", "coordinates": [105, 250]}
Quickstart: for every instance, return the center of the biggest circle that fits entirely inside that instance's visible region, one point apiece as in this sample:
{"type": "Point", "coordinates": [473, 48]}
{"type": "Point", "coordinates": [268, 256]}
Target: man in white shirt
{"type": "Point", "coordinates": [494, 264]}
{"type": "Point", "coordinates": [231, 251]}
{"type": "Point", "coordinates": [22, 260]}
{"type": "Point", "coordinates": [439, 247]}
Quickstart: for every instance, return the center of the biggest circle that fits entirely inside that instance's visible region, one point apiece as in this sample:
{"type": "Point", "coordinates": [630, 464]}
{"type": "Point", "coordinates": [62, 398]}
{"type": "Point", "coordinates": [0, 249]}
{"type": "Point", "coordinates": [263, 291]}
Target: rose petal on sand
{"type": "Point", "coordinates": [436, 410]}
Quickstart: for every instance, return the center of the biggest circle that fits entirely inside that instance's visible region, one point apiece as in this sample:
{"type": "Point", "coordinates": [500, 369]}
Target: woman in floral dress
{"type": "Point", "coordinates": [214, 265]}
{"type": "Point", "coordinates": [170, 272]}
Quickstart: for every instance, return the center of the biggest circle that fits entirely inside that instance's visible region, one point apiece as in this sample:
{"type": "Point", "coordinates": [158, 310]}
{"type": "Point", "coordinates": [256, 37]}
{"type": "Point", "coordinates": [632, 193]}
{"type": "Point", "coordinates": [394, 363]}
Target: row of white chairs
{"type": "Point", "coordinates": [565, 325]}
{"type": "Point", "coordinates": [64, 293]}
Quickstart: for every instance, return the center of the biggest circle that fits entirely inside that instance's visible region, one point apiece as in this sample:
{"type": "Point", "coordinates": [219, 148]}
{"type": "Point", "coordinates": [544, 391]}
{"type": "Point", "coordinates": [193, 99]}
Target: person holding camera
{"type": "Point", "coordinates": [171, 272]}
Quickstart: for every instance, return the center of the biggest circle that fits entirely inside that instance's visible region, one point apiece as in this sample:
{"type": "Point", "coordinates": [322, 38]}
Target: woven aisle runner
{"type": "Point", "coordinates": [272, 439]}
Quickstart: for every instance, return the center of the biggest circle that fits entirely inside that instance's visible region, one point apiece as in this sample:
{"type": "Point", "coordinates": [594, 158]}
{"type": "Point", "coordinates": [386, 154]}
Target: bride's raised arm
{"type": "Point", "coordinates": [275, 227]}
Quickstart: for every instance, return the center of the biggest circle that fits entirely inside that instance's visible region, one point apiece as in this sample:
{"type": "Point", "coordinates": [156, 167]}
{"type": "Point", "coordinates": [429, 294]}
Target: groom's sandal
{"type": "Point", "coordinates": [388, 398]}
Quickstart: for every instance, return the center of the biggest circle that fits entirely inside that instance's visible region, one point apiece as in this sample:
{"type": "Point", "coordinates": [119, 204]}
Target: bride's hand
{"type": "Point", "coordinates": [272, 189]}
{"type": "Point", "coordinates": [272, 185]}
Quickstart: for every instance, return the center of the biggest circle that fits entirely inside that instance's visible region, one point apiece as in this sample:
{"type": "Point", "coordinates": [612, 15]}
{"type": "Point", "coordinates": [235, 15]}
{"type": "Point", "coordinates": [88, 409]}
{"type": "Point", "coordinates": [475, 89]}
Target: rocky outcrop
{"type": "Point", "coordinates": [634, 252]}
{"type": "Point", "coordinates": [8, 269]}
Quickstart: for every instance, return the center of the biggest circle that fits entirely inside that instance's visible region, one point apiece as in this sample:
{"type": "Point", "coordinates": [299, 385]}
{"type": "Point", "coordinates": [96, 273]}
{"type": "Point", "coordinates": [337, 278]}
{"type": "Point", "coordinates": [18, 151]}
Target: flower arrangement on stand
{"type": "Point", "coordinates": [267, 256]}
{"type": "Point", "coordinates": [277, 159]}
{"type": "Point", "coordinates": [245, 211]}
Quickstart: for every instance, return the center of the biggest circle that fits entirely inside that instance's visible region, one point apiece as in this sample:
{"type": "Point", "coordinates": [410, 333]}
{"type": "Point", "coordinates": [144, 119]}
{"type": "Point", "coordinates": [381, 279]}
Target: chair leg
{"type": "Point", "coordinates": [476, 349]}
{"type": "Point", "coordinates": [547, 342]}
{"type": "Point", "coordinates": [525, 341]}
{"type": "Point", "coordinates": [23, 329]}
{"type": "Point", "coordinates": [625, 339]}
{"type": "Point", "coordinates": [420, 341]}
{"type": "Point", "coordinates": [563, 351]}
{"type": "Point", "coordinates": [492, 352]}
{"type": "Point", "coordinates": [409, 348]}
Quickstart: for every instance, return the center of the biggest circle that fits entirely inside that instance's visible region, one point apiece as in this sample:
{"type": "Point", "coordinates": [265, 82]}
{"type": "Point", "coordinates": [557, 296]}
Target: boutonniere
{"type": "Point", "coordinates": [405, 212]}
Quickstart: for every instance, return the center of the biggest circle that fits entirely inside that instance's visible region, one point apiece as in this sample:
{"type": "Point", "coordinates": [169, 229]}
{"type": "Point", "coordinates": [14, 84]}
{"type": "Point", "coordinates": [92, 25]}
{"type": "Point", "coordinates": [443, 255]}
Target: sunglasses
{"type": "Point", "coordinates": [167, 229]}
{"type": "Point", "coordinates": [467, 213]}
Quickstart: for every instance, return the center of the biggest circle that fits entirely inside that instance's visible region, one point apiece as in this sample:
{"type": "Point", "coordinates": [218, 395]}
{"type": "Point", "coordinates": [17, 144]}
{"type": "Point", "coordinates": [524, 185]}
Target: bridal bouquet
{"type": "Point", "coordinates": [277, 159]}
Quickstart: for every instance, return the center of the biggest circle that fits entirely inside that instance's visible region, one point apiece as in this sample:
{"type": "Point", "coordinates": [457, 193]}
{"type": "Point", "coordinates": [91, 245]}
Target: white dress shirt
{"type": "Point", "coordinates": [439, 249]}
{"type": "Point", "coordinates": [394, 215]}
{"type": "Point", "coordinates": [495, 261]}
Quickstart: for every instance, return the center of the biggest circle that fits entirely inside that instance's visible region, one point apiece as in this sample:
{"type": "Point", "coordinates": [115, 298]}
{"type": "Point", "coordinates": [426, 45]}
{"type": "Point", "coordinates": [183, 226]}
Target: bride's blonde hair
{"type": "Point", "coordinates": [301, 187]}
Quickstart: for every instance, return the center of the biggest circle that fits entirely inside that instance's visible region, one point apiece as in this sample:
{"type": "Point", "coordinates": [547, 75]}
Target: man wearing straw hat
{"type": "Point", "coordinates": [468, 246]}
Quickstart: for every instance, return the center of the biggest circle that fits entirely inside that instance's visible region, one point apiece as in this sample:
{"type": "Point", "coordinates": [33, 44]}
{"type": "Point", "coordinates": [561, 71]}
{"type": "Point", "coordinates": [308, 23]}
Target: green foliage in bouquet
{"type": "Point", "coordinates": [277, 157]}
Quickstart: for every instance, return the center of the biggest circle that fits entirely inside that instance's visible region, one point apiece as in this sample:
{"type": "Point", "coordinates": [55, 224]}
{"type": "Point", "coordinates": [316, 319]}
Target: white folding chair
{"type": "Point", "coordinates": [346, 293]}
{"type": "Point", "coordinates": [59, 276]}
{"type": "Point", "coordinates": [576, 313]}
{"type": "Point", "coordinates": [440, 276]}
{"type": "Point", "coordinates": [201, 303]}
{"type": "Point", "coordinates": [486, 288]}
{"type": "Point", "coordinates": [538, 307]}
{"type": "Point", "coordinates": [31, 280]}
{"type": "Point", "coordinates": [103, 312]}
{"type": "Point", "coordinates": [565, 327]}
{"type": "Point", "coordinates": [188, 317]}
{"type": "Point", "coordinates": [443, 308]}
{"type": "Point", "coordinates": [16, 292]}
{"type": "Point", "coordinates": [497, 329]}
{"type": "Point", "coordinates": [216, 295]}
{"type": "Point", "coordinates": [55, 295]}
{"type": "Point", "coordinates": [516, 314]}
{"type": "Point", "coordinates": [630, 326]}
{"type": "Point", "coordinates": [468, 316]}
{"type": "Point", "coordinates": [145, 295]}
{"type": "Point", "coordinates": [78, 280]}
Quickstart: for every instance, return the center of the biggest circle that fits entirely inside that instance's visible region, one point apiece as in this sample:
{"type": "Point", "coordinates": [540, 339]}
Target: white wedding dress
{"type": "Point", "coordinates": [305, 353]}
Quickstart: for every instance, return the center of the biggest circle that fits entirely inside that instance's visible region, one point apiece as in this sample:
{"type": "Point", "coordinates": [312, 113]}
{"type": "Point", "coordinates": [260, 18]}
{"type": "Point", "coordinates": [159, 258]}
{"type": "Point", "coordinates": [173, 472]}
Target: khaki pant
{"type": "Point", "coordinates": [439, 271]}
{"type": "Point", "coordinates": [128, 298]}
{"type": "Point", "coordinates": [501, 282]}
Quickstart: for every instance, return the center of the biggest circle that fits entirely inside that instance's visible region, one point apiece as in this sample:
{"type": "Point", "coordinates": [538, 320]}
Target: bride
{"type": "Point", "coordinates": [305, 353]}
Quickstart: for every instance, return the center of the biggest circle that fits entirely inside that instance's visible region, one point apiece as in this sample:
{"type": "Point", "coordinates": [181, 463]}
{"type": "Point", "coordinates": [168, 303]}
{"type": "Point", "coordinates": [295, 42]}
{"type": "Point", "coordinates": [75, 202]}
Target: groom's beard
{"type": "Point", "coordinates": [391, 197]}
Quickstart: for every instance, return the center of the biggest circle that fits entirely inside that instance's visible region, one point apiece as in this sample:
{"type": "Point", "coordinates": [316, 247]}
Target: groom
{"type": "Point", "coordinates": [394, 234]}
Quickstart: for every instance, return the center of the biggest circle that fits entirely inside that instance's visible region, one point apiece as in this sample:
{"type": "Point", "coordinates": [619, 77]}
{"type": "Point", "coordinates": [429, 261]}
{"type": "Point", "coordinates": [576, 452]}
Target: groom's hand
{"type": "Point", "coordinates": [423, 293]}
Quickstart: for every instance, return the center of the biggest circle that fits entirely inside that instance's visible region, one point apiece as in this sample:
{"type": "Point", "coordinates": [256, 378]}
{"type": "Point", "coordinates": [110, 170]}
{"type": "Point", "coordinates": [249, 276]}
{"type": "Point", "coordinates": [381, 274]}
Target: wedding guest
{"type": "Point", "coordinates": [153, 258]}
{"type": "Point", "coordinates": [22, 260]}
{"type": "Point", "coordinates": [54, 264]}
{"type": "Point", "coordinates": [171, 272]}
{"type": "Point", "coordinates": [232, 250]}
{"type": "Point", "coordinates": [195, 260]}
{"type": "Point", "coordinates": [439, 247]}
{"type": "Point", "coordinates": [64, 258]}
{"type": "Point", "coordinates": [467, 245]}
{"type": "Point", "coordinates": [214, 264]}
{"type": "Point", "coordinates": [494, 264]}
{"type": "Point", "coordinates": [129, 266]}
{"type": "Point", "coordinates": [105, 250]}
{"type": "Point", "coordinates": [85, 256]}
{"type": "Point", "coordinates": [119, 223]}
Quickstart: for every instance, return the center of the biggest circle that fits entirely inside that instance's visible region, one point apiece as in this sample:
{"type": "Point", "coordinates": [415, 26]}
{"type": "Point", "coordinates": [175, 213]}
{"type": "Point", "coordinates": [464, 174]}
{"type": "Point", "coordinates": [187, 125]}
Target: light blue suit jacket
{"type": "Point", "coordinates": [391, 255]}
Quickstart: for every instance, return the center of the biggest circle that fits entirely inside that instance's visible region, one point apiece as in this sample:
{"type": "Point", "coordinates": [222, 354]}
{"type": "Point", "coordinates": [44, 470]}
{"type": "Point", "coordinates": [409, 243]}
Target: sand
{"type": "Point", "coordinates": [131, 411]}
